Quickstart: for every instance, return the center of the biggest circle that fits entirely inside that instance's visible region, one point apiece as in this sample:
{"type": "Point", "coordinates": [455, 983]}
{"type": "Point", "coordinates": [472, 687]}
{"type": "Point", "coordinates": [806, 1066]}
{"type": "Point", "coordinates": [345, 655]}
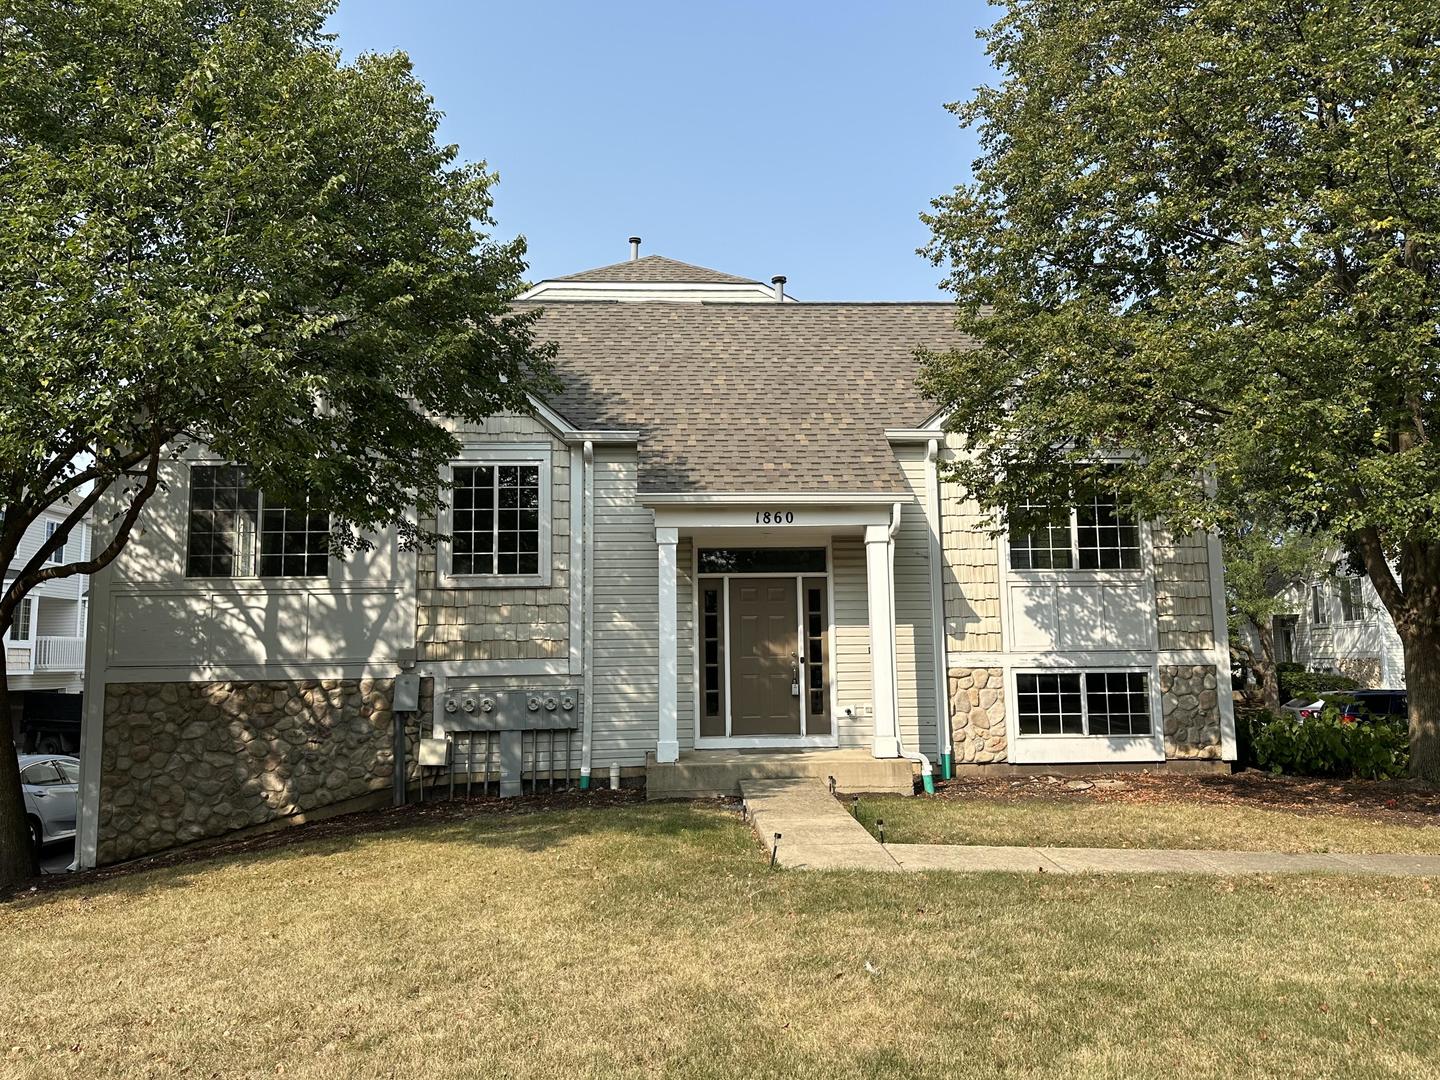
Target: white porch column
{"type": "Point", "coordinates": [667, 747]}
{"type": "Point", "coordinates": [882, 639]}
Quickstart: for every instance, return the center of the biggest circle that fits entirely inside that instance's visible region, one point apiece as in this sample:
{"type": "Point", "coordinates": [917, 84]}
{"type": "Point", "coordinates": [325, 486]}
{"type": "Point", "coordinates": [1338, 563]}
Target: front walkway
{"type": "Point", "coordinates": [816, 833]}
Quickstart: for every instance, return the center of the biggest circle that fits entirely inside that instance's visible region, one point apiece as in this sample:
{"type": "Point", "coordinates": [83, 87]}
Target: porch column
{"type": "Point", "coordinates": [882, 639]}
{"type": "Point", "coordinates": [667, 748]}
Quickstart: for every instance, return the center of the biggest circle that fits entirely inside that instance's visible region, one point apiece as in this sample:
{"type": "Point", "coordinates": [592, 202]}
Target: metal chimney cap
{"type": "Point", "coordinates": [779, 279]}
{"type": "Point", "coordinates": [634, 239]}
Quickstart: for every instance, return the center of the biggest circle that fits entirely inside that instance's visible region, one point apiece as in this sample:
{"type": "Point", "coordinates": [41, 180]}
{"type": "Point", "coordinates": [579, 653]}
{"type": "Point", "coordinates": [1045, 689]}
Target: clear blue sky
{"type": "Point", "coordinates": [797, 138]}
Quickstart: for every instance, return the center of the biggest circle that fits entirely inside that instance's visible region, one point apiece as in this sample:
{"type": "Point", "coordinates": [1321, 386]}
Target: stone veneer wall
{"type": "Point", "coordinates": [1366, 670]}
{"type": "Point", "coordinates": [977, 714]}
{"type": "Point", "coordinates": [186, 761]}
{"type": "Point", "coordinates": [1190, 705]}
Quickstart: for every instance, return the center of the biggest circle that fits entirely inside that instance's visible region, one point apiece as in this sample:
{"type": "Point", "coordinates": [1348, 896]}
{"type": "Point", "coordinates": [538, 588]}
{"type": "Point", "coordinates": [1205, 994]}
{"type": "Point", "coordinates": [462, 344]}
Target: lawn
{"type": "Point", "coordinates": [1166, 819]}
{"type": "Point", "coordinates": [649, 940]}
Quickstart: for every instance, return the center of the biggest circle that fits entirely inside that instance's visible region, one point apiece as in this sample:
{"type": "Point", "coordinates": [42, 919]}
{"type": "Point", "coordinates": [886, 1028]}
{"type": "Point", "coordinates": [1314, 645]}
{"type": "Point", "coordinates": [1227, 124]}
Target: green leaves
{"type": "Point", "coordinates": [1202, 239]}
{"type": "Point", "coordinates": [211, 226]}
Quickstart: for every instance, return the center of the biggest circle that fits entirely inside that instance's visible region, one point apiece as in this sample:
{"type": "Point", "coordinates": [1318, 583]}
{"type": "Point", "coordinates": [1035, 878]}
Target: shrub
{"type": "Point", "coordinates": [1295, 684]}
{"type": "Point", "coordinates": [1324, 745]}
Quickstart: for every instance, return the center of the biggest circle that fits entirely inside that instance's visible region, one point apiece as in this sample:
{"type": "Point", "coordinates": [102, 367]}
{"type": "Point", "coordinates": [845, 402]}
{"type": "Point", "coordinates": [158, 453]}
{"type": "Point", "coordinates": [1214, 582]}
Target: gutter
{"type": "Point", "coordinates": [934, 513]}
{"type": "Point", "coordinates": [587, 609]}
{"type": "Point", "coordinates": [927, 773]}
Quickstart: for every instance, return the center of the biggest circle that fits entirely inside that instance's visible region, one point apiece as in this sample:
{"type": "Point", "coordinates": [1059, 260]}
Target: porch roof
{"type": "Point", "coordinates": [767, 398]}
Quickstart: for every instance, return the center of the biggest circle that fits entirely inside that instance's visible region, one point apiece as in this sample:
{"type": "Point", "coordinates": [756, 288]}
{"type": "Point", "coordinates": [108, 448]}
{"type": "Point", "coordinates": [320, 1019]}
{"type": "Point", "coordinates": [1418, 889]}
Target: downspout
{"type": "Point", "coordinates": [927, 774]}
{"type": "Point", "coordinates": [587, 609]}
{"type": "Point", "coordinates": [937, 610]}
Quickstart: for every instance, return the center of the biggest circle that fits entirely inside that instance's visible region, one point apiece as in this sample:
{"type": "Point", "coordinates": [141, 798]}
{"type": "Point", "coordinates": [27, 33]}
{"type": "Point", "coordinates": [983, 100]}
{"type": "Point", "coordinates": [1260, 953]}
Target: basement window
{"type": "Point", "coordinates": [1101, 703]}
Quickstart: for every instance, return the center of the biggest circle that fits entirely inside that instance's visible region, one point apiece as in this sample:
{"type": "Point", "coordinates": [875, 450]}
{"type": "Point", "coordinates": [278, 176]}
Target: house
{"type": "Point", "coordinates": [44, 648]}
{"type": "Point", "coordinates": [1338, 623]}
{"type": "Point", "coordinates": [725, 545]}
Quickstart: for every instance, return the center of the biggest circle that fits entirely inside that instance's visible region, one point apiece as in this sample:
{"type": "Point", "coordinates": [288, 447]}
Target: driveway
{"type": "Point", "coordinates": [55, 858]}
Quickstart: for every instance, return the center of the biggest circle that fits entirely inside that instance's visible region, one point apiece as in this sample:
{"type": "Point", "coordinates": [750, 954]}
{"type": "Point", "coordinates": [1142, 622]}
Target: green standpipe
{"type": "Point", "coordinates": [947, 766]}
{"type": "Point", "coordinates": [929, 779]}
{"type": "Point", "coordinates": [584, 781]}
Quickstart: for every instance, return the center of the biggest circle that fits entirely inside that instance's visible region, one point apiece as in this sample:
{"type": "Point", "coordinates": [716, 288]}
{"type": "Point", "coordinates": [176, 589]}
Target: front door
{"type": "Point", "coordinates": [764, 657]}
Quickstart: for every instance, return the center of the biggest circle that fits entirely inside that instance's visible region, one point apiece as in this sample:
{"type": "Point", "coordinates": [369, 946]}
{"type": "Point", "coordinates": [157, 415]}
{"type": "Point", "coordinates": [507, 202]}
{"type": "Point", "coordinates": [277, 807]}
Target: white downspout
{"type": "Point", "coordinates": [937, 609]}
{"type": "Point", "coordinates": [587, 616]}
{"type": "Point", "coordinates": [927, 774]}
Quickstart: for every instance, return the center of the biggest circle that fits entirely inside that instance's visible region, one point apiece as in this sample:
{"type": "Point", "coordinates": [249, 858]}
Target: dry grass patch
{"type": "Point", "coordinates": [1188, 823]}
{"type": "Point", "coordinates": [652, 940]}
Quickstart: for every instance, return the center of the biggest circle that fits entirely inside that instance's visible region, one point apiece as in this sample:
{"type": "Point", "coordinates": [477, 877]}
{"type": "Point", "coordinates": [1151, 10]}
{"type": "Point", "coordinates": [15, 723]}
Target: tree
{"type": "Point", "coordinates": [214, 231]}
{"type": "Point", "coordinates": [1202, 239]}
{"type": "Point", "coordinates": [1263, 565]}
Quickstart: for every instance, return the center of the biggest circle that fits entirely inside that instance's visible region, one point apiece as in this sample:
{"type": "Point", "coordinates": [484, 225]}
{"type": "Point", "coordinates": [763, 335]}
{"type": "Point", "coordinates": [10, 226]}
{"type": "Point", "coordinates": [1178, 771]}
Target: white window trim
{"type": "Point", "coordinates": [495, 454]}
{"type": "Point", "coordinates": [56, 557]}
{"type": "Point", "coordinates": [27, 605]}
{"type": "Point", "coordinates": [1083, 749]}
{"type": "Point", "coordinates": [1076, 573]}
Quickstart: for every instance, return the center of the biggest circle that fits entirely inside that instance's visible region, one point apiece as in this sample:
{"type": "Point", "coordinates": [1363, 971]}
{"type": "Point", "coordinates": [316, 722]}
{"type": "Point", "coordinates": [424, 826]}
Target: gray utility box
{"type": "Point", "coordinates": [511, 710]}
{"type": "Point", "coordinates": [511, 714]}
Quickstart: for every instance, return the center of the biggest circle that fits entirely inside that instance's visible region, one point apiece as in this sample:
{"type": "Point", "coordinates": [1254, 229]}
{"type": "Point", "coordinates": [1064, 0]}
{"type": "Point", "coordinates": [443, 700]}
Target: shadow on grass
{"type": "Point", "coordinates": [529, 825]}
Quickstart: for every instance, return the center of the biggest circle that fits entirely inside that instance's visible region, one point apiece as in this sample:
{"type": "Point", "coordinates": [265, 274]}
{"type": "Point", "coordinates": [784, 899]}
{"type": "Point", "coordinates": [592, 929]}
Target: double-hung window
{"type": "Point", "coordinates": [1103, 703]}
{"type": "Point", "coordinates": [499, 519]}
{"type": "Point", "coordinates": [21, 619]}
{"type": "Point", "coordinates": [1352, 609]}
{"type": "Point", "coordinates": [1097, 534]}
{"type": "Point", "coordinates": [1319, 609]}
{"type": "Point", "coordinates": [235, 532]}
{"type": "Point", "coordinates": [58, 555]}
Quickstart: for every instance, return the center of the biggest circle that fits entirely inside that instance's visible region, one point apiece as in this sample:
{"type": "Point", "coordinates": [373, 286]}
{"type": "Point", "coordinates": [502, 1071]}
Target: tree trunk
{"type": "Point", "coordinates": [18, 857]}
{"type": "Point", "coordinates": [1265, 666]}
{"type": "Point", "coordinates": [1422, 688]}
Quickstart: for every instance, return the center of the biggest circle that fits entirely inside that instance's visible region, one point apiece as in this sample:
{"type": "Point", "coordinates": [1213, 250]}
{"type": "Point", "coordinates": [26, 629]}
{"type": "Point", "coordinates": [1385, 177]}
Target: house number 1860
{"type": "Point", "coordinates": [774, 517]}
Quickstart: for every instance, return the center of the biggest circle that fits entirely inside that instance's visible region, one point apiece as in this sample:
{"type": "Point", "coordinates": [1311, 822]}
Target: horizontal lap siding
{"type": "Point", "coordinates": [626, 616]}
{"type": "Point", "coordinates": [852, 642]}
{"type": "Point", "coordinates": [914, 633]}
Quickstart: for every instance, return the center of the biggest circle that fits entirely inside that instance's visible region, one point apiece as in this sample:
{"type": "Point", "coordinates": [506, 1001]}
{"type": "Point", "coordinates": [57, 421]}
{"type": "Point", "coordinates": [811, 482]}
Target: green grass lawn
{"type": "Point", "coordinates": [650, 940]}
{"type": "Point", "coordinates": [1093, 823]}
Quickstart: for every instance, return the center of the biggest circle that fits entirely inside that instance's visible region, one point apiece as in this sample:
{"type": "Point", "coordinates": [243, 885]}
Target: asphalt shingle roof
{"type": "Point", "coordinates": [657, 268]}
{"type": "Point", "coordinates": [749, 397]}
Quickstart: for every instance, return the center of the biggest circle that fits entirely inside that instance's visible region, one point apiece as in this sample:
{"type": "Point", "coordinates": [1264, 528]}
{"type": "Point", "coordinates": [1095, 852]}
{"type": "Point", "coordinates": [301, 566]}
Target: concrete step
{"type": "Point", "coordinates": [707, 773]}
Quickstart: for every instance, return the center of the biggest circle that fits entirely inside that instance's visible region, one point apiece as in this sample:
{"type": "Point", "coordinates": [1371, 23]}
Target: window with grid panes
{"type": "Point", "coordinates": [234, 532]}
{"type": "Point", "coordinates": [495, 520]}
{"type": "Point", "coordinates": [1046, 548]}
{"type": "Point", "coordinates": [1101, 703]}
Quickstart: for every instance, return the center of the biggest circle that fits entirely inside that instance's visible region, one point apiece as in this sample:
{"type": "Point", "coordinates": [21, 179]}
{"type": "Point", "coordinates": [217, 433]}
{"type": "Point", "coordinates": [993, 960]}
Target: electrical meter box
{"type": "Point", "coordinates": [407, 692]}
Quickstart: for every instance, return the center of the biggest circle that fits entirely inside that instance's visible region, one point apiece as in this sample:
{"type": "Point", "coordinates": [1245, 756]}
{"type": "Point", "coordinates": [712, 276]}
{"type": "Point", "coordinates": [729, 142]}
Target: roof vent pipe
{"type": "Point", "coordinates": [634, 248]}
{"type": "Point", "coordinates": [779, 282]}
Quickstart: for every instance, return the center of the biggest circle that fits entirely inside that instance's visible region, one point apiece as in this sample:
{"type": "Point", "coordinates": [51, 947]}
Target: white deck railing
{"type": "Point", "coordinates": [59, 654]}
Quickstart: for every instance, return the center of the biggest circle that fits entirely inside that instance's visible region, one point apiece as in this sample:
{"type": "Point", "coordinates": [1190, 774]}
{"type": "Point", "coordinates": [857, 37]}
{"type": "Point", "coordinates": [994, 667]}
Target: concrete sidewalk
{"type": "Point", "coordinates": [816, 833]}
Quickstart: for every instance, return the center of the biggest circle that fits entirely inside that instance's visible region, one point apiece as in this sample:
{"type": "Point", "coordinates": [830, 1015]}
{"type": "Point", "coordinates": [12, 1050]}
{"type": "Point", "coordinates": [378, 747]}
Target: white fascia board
{"type": "Point", "coordinates": [913, 435]}
{"type": "Point", "coordinates": [539, 289]}
{"type": "Point", "coordinates": [746, 498]}
{"type": "Point", "coordinates": [567, 432]}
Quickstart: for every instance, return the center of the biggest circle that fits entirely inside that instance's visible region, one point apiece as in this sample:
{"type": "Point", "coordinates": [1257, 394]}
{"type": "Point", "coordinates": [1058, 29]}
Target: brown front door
{"type": "Point", "coordinates": [764, 651]}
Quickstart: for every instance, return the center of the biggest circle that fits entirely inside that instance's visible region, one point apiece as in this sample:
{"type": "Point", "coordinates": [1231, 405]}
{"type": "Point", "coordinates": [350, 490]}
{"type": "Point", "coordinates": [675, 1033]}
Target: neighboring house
{"type": "Point", "coordinates": [45, 647]}
{"type": "Point", "coordinates": [1339, 624]}
{"type": "Point", "coordinates": [727, 532]}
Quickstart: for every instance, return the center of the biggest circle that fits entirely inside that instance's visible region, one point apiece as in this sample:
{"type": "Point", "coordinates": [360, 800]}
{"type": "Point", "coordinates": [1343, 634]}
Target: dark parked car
{"type": "Point", "coordinates": [1353, 704]}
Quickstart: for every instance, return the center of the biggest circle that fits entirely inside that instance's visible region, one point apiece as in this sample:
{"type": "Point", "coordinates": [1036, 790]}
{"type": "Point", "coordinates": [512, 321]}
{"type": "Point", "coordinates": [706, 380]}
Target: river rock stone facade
{"type": "Point", "coordinates": [1190, 705]}
{"type": "Point", "coordinates": [977, 715]}
{"type": "Point", "coordinates": [185, 761]}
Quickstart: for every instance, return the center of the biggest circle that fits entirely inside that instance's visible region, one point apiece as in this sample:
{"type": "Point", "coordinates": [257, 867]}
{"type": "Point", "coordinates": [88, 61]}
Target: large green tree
{"type": "Point", "coordinates": [1202, 238]}
{"type": "Point", "coordinates": [214, 230]}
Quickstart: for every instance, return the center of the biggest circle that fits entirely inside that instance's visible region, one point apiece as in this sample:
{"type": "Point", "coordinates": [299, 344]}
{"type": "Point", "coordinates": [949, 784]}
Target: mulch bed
{"type": "Point", "coordinates": [1402, 802]}
{"type": "Point", "coordinates": [436, 809]}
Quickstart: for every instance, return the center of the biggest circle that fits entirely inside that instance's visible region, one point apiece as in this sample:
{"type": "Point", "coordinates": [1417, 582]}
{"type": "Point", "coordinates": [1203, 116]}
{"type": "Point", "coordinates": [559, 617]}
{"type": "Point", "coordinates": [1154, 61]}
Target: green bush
{"type": "Point", "coordinates": [1324, 745]}
{"type": "Point", "coordinates": [1295, 684]}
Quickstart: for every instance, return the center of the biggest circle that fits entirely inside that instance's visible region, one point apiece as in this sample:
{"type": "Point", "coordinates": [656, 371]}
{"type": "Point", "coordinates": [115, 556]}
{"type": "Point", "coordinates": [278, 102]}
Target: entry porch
{"type": "Point", "coordinates": [707, 773]}
{"type": "Point", "coordinates": [777, 642]}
